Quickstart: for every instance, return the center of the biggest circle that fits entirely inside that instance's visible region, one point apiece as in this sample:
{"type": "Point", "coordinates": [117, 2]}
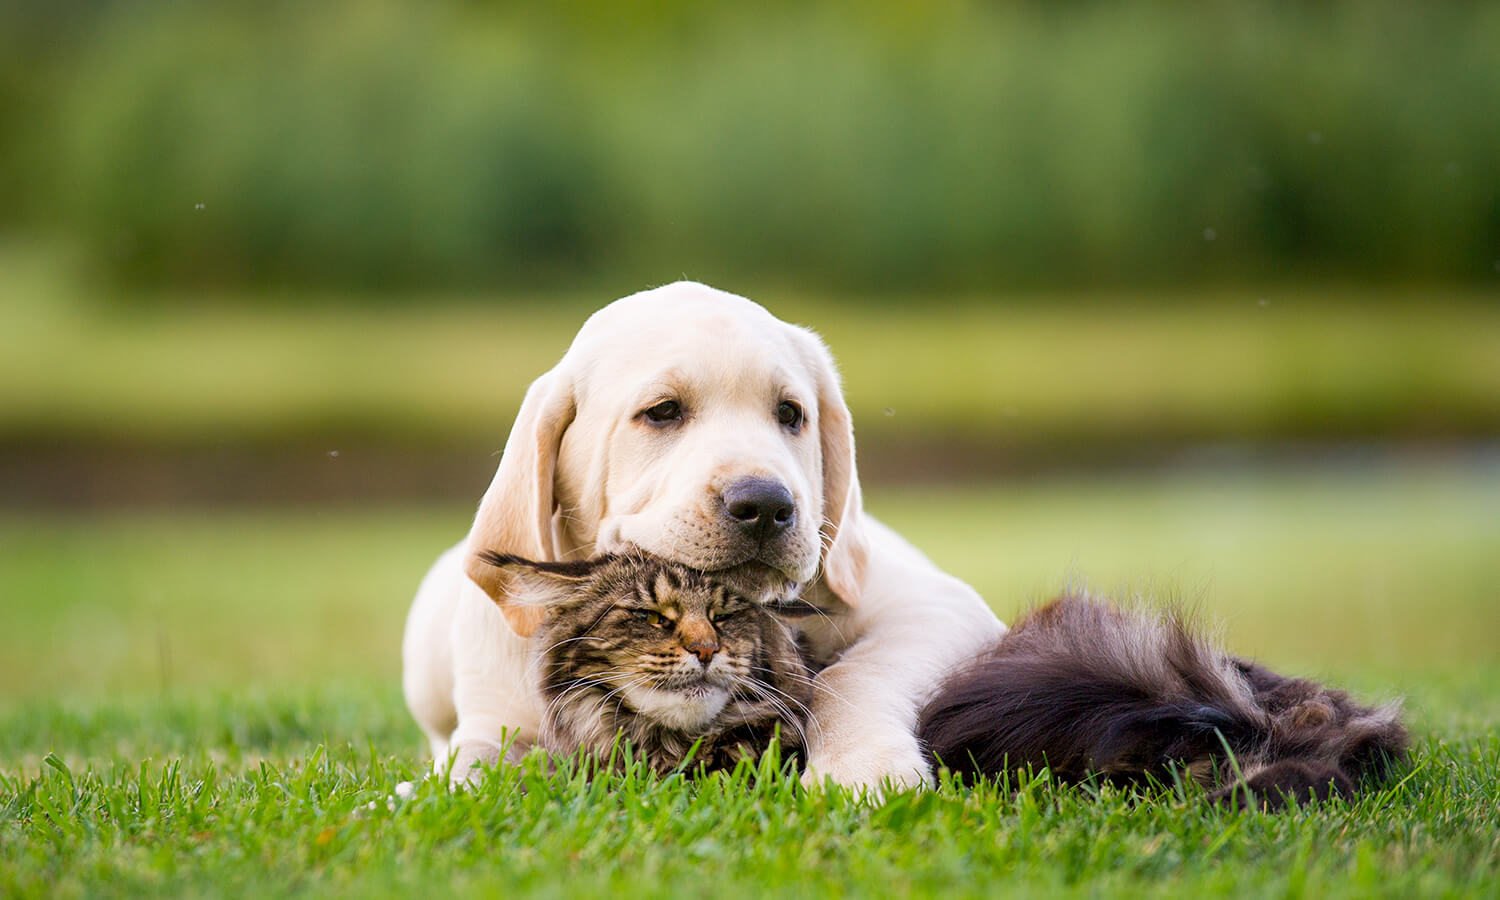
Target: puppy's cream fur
{"type": "Point", "coordinates": [584, 472]}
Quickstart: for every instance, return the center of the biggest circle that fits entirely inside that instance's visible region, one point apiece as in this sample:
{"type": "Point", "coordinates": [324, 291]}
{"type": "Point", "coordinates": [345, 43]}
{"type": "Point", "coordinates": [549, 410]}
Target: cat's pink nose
{"type": "Point", "coordinates": [704, 650]}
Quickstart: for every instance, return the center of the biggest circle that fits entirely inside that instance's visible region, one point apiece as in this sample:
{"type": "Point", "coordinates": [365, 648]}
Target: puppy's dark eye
{"type": "Point", "coordinates": [649, 616]}
{"type": "Point", "coordinates": [663, 412]}
{"type": "Point", "coordinates": [789, 415]}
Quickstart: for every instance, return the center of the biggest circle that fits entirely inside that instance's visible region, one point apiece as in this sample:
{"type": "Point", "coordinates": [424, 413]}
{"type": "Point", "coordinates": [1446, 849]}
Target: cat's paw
{"type": "Point", "coordinates": [874, 769]}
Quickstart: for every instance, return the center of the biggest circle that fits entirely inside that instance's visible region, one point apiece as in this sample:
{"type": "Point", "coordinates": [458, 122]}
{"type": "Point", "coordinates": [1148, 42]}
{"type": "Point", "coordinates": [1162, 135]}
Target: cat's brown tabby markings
{"type": "Point", "coordinates": [664, 656]}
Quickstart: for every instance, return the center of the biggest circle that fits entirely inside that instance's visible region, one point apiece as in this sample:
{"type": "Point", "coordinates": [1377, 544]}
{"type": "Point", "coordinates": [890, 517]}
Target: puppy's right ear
{"type": "Point", "coordinates": [515, 516]}
{"type": "Point", "coordinates": [846, 549]}
{"type": "Point", "coordinates": [539, 585]}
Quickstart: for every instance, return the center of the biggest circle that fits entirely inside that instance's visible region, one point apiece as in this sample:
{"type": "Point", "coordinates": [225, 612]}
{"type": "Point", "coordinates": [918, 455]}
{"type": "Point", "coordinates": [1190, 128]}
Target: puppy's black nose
{"type": "Point", "coordinates": [762, 507]}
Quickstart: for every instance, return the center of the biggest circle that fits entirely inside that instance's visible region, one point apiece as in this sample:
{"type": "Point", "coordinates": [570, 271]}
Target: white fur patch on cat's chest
{"type": "Point", "coordinates": [679, 710]}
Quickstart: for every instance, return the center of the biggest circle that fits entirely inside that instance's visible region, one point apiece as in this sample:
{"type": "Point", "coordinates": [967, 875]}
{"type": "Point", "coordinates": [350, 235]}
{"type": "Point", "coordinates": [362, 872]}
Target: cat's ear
{"type": "Point", "coordinates": [541, 585]}
{"type": "Point", "coordinates": [794, 608]}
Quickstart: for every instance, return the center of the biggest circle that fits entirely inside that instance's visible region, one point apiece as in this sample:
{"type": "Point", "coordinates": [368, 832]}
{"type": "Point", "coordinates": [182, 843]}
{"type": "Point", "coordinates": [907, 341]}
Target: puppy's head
{"type": "Point", "coordinates": [695, 426]}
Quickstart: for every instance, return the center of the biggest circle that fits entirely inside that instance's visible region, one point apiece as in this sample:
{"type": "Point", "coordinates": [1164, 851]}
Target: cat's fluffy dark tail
{"type": "Point", "coordinates": [1083, 687]}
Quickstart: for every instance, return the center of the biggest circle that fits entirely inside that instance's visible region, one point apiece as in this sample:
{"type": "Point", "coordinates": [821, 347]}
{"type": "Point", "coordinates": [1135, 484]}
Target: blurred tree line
{"type": "Point", "coordinates": [863, 146]}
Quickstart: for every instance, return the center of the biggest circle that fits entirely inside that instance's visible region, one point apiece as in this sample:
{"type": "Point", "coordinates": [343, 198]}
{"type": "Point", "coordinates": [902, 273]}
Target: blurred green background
{"type": "Point", "coordinates": [1180, 300]}
{"type": "Point", "coordinates": [876, 146]}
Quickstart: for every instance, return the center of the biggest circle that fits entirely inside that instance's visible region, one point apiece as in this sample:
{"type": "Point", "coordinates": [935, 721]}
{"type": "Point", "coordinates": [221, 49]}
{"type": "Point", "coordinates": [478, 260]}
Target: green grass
{"type": "Point", "coordinates": [1009, 374]}
{"type": "Point", "coordinates": [305, 826]}
{"type": "Point", "coordinates": [205, 703]}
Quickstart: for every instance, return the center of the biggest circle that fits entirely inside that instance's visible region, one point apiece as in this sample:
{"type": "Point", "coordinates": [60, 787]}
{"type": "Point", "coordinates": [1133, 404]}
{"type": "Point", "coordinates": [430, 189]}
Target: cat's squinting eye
{"type": "Point", "coordinates": [649, 616]}
{"type": "Point", "coordinates": [721, 616]}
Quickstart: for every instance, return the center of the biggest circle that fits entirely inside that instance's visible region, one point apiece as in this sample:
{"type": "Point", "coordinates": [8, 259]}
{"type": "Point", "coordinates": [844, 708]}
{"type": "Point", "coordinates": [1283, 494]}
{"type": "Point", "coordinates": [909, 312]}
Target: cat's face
{"type": "Point", "coordinates": [668, 642]}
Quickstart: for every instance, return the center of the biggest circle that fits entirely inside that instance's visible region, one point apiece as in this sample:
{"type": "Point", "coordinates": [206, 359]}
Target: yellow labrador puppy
{"type": "Point", "coordinates": [696, 426]}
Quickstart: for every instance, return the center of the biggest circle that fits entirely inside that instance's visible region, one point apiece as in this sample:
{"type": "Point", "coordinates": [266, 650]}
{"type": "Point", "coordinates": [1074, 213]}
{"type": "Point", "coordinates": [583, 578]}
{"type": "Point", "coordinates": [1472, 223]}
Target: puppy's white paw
{"type": "Point", "coordinates": [871, 768]}
{"type": "Point", "coordinates": [470, 760]}
{"type": "Point", "coordinates": [475, 756]}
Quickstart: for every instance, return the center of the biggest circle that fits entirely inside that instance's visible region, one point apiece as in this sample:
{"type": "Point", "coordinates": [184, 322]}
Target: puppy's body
{"type": "Point", "coordinates": [668, 406]}
{"type": "Point", "coordinates": [1082, 687]}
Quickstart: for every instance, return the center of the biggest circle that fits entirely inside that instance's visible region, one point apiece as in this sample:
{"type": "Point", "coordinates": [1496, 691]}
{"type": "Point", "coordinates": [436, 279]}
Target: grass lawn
{"type": "Point", "coordinates": [206, 702]}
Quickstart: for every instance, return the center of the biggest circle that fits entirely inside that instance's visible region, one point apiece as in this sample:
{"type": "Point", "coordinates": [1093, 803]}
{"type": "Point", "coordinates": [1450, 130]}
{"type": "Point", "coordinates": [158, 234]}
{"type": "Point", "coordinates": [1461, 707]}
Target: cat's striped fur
{"type": "Point", "coordinates": [664, 656]}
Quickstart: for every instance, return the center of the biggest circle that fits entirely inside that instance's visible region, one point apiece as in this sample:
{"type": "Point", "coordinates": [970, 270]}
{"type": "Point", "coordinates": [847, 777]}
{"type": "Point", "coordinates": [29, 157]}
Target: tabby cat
{"type": "Point", "coordinates": [665, 656]}
{"type": "Point", "coordinates": [1083, 687]}
{"type": "Point", "coordinates": [668, 657]}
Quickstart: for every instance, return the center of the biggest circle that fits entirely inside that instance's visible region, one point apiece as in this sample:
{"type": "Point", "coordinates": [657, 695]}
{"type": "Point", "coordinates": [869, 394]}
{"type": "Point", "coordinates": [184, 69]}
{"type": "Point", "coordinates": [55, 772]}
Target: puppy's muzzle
{"type": "Point", "coordinates": [761, 509]}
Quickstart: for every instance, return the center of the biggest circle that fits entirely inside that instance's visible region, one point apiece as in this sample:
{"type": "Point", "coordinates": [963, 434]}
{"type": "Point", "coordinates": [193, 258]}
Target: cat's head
{"type": "Point", "coordinates": [673, 642]}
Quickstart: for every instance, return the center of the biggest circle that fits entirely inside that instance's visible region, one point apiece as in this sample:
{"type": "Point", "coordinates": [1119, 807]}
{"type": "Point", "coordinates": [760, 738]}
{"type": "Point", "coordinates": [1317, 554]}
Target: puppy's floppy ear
{"type": "Point", "coordinates": [515, 516]}
{"type": "Point", "coordinates": [846, 548]}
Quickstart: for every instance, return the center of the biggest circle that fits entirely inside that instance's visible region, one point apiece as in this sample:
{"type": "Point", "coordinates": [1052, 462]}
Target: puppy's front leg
{"type": "Point", "coordinates": [865, 706]}
{"type": "Point", "coordinates": [494, 691]}
{"type": "Point", "coordinates": [484, 746]}
{"type": "Point", "coordinates": [861, 735]}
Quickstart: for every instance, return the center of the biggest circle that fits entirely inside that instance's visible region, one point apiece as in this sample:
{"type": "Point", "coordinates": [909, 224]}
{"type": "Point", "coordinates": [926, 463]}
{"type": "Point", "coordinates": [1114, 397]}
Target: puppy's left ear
{"type": "Point", "coordinates": [515, 515]}
{"type": "Point", "coordinates": [846, 546]}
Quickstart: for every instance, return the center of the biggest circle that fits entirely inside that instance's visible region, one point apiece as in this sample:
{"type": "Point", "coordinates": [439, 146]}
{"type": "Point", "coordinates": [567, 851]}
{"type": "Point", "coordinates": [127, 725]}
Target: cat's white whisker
{"type": "Point", "coordinates": [580, 685]}
{"type": "Point", "coordinates": [785, 714]}
{"type": "Point", "coordinates": [762, 686]}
